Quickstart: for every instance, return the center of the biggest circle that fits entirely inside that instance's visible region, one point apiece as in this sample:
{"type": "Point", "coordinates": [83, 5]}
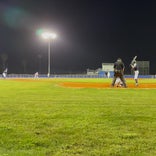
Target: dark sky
{"type": "Point", "coordinates": [89, 32]}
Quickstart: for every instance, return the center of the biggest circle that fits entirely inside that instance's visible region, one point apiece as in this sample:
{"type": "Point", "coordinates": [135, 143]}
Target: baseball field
{"type": "Point", "coordinates": [77, 117]}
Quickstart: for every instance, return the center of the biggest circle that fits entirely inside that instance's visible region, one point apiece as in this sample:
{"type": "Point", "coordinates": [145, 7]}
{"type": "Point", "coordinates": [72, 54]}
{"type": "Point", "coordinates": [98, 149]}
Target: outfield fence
{"type": "Point", "coordinates": [70, 76]}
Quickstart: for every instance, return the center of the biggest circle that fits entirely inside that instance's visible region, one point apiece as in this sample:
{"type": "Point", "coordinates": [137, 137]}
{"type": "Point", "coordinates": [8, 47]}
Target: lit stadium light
{"type": "Point", "coordinates": [49, 36]}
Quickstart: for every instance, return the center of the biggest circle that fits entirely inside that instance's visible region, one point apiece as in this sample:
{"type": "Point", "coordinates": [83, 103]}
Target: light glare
{"type": "Point", "coordinates": [47, 35]}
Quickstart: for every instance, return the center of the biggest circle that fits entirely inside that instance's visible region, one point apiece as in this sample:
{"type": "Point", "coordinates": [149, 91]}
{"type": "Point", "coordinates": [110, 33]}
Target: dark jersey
{"type": "Point", "coordinates": [119, 66]}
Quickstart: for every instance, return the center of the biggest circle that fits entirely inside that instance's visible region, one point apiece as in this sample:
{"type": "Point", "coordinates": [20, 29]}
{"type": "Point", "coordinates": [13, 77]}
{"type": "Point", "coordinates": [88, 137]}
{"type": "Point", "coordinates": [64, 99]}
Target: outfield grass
{"type": "Point", "coordinates": [41, 118]}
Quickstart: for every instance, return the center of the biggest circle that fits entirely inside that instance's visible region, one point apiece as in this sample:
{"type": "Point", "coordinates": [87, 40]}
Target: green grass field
{"type": "Point", "coordinates": [41, 118]}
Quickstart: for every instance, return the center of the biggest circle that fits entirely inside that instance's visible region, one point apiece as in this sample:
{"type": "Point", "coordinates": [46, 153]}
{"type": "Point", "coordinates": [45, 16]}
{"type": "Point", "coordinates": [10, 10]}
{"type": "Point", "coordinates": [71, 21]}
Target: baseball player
{"type": "Point", "coordinates": [119, 72]}
{"type": "Point", "coordinates": [4, 74]}
{"type": "Point", "coordinates": [136, 71]}
{"type": "Point", "coordinates": [118, 82]}
{"type": "Point", "coordinates": [36, 75]}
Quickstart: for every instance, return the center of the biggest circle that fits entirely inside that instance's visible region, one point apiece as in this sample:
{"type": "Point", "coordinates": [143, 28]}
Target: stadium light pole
{"type": "Point", "coordinates": [49, 36]}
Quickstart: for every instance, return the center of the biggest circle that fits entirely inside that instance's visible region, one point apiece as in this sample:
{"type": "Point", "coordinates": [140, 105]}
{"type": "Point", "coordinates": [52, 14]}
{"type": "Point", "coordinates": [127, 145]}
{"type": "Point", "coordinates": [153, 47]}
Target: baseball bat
{"type": "Point", "coordinates": [134, 58]}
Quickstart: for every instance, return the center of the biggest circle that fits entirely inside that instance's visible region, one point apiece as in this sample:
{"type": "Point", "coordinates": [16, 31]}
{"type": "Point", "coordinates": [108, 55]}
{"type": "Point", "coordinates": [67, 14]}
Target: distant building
{"type": "Point", "coordinates": [106, 70]}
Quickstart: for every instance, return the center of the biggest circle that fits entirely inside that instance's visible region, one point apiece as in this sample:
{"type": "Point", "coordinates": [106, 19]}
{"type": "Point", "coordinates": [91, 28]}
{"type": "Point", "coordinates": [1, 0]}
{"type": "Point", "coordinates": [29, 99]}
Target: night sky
{"type": "Point", "coordinates": [89, 33]}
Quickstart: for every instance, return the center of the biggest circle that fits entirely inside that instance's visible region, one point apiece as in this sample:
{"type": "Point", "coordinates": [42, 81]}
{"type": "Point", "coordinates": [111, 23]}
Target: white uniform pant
{"type": "Point", "coordinates": [136, 73]}
{"type": "Point", "coordinates": [118, 82]}
{"type": "Point", "coordinates": [4, 75]}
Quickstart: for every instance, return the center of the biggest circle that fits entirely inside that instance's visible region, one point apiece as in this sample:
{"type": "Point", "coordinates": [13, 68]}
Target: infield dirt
{"type": "Point", "coordinates": [92, 84]}
{"type": "Point", "coordinates": [103, 85]}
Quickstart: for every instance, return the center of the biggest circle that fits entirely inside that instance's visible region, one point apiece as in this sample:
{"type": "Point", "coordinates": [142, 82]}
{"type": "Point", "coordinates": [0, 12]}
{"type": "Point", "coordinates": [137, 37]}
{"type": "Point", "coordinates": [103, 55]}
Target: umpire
{"type": "Point", "coordinates": [119, 72]}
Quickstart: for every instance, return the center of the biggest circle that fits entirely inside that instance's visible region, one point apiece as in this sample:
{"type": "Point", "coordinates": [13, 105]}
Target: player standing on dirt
{"type": "Point", "coordinates": [136, 71]}
{"type": "Point", "coordinates": [119, 72]}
